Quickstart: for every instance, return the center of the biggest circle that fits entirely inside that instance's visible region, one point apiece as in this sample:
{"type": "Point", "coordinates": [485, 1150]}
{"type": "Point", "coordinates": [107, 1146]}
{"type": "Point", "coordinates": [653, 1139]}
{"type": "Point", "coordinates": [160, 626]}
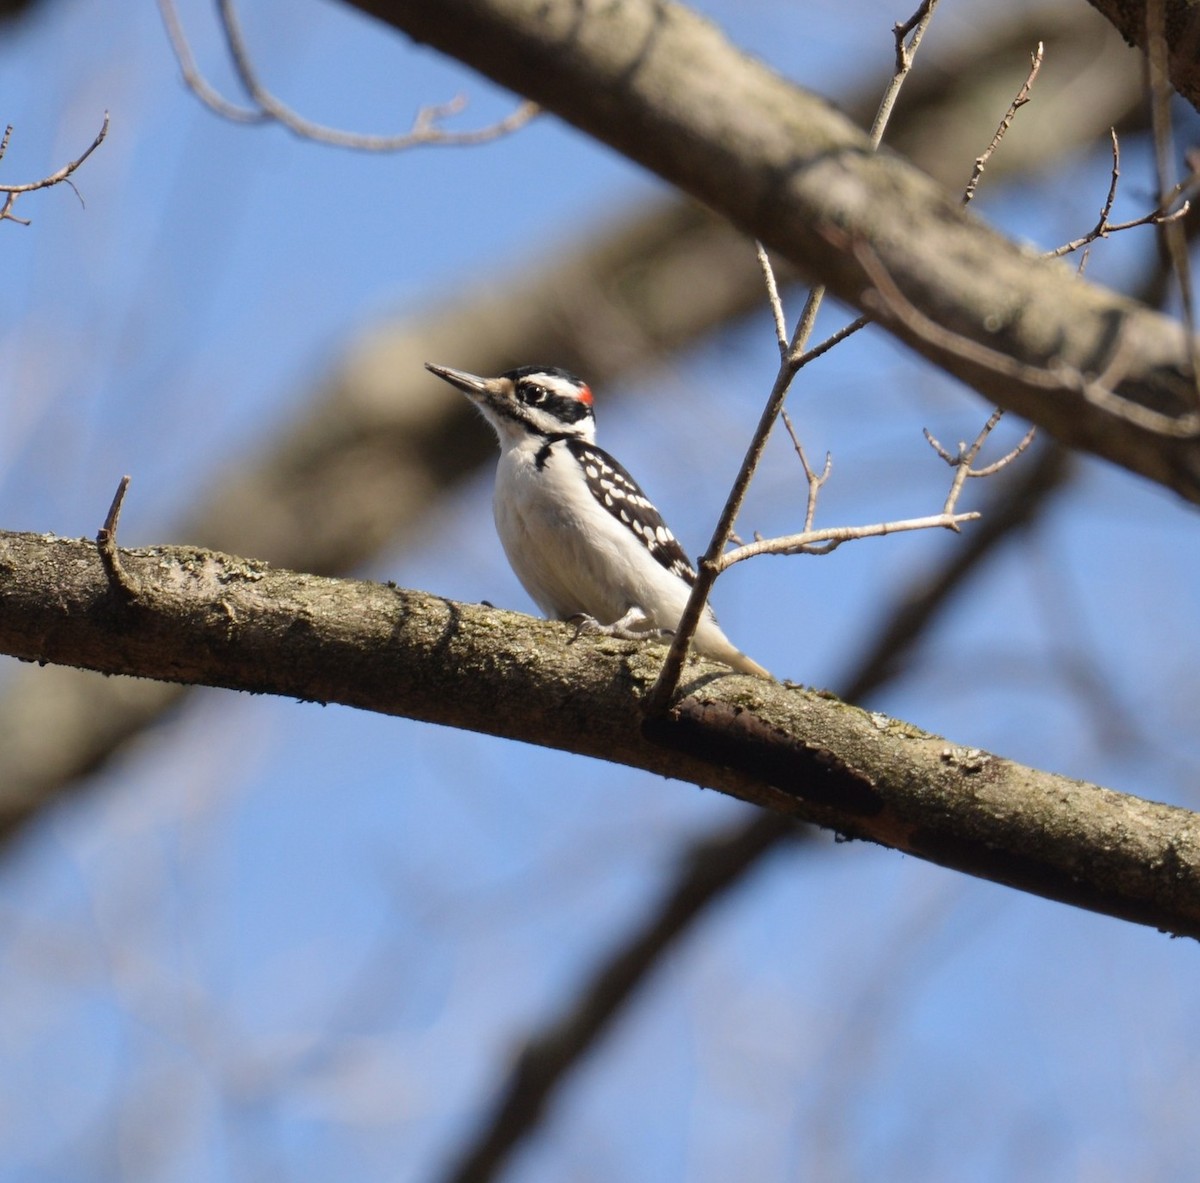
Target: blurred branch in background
{"type": "Point", "coordinates": [426, 127]}
{"type": "Point", "coordinates": [357, 470]}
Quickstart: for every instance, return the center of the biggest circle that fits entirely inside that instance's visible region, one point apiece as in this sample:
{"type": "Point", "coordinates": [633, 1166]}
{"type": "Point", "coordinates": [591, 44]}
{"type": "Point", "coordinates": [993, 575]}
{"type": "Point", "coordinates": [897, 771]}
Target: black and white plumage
{"type": "Point", "coordinates": [579, 533]}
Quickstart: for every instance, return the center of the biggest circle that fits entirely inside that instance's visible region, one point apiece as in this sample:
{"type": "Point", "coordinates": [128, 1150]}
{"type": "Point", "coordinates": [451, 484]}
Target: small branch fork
{"type": "Point", "coordinates": [1103, 228]}
{"type": "Point", "coordinates": [793, 357]}
{"type": "Point", "coordinates": [63, 176]}
{"type": "Point", "coordinates": [267, 108]}
{"type": "Point", "coordinates": [122, 581]}
{"type": "Point", "coordinates": [822, 542]}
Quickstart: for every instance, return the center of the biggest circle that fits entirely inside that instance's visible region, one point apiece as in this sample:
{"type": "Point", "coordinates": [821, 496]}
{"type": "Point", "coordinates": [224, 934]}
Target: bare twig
{"type": "Point", "coordinates": [1022, 98]}
{"type": "Point", "coordinates": [792, 358]}
{"type": "Point", "coordinates": [6, 214]}
{"type": "Point", "coordinates": [106, 543]}
{"type": "Point", "coordinates": [781, 333]}
{"type": "Point", "coordinates": [67, 169]}
{"type": "Point", "coordinates": [908, 36]}
{"type": "Point", "coordinates": [267, 108]}
{"type": "Point", "coordinates": [62, 176]}
{"type": "Point", "coordinates": [710, 565]}
{"type": "Point", "coordinates": [1103, 228]}
{"type": "Point", "coordinates": [1106, 209]}
{"type": "Point", "coordinates": [815, 480]}
{"type": "Point", "coordinates": [822, 542]}
{"type": "Point", "coordinates": [833, 339]}
{"type": "Point", "coordinates": [963, 462]}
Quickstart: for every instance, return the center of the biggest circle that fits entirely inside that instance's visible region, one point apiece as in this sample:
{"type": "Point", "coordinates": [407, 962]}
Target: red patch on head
{"type": "Point", "coordinates": [585, 394]}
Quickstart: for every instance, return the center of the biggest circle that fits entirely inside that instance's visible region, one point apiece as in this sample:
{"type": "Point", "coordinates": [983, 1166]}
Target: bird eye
{"type": "Point", "coordinates": [535, 394]}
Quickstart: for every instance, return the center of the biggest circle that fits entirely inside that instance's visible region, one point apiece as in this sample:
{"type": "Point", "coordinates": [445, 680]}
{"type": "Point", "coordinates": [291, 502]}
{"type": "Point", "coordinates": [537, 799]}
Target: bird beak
{"type": "Point", "coordinates": [467, 383]}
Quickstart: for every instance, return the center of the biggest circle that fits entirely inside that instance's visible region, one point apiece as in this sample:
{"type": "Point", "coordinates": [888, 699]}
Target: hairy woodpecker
{"type": "Point", "coordinates": [581, 536]}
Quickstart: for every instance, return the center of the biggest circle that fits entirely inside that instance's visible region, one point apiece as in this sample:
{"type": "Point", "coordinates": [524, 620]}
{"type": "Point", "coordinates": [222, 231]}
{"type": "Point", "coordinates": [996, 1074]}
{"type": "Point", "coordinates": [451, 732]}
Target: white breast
{"type": "Point", "coordinates": [570, 554]}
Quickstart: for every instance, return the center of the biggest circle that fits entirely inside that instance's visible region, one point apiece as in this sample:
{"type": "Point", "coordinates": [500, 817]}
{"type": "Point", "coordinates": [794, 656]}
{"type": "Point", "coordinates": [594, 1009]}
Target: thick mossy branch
{"type": "Point", "coordinates": [207, 618]}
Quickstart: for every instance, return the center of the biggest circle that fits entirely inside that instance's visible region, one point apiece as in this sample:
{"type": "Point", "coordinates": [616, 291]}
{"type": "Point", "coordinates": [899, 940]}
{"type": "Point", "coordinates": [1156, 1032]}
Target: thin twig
{"type": "Point", "coordinates": [62, 176]}
{"type": "Point", "coordinates": [791, 360]}
{"type": "Point", "coordinates": [710, 565]}
{"type": "Point", "coordinates": [6, 214]}
{"type": "Point", "coordinates": [106, 543]}
{"type": "Point", "coordinates": [717, 559]}
{"type": "Point", "coordinates": [906, 52]}
{"type": "Point", "coordinates": [66, 170]}
{"type": "Point", "coordinates": [815, 480]}
{"type": "Point", "coordinates": [833, 339]}
{"type": "Point", "coordinates": [1103, 227]}
{"type": "Point", "coordinates": [823, 542]}
{"type": "Point", "coordinates": [1022, 98]}
{"type": "Point", "coordinates": [1156, 217]}
{"type": "Point", "coordinates": [768, 273]}
{"type": "Point", "coordinates": [1106, 209]}
{"type": "Point", "coordinates": [1007, 458]}
{"type": "Point", "coordinates": [963, 462]}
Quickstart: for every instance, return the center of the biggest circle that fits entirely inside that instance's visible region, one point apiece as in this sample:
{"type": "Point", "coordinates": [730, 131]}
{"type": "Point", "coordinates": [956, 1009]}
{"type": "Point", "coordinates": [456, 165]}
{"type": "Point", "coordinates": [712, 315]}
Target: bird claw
{"type": "Point", "coordinates": [589, 626]}
{"type": "Point", "coordinates": [585, 625]}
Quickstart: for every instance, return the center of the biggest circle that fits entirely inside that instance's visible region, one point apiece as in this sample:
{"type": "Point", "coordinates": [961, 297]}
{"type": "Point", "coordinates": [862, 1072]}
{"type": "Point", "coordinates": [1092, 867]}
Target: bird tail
{"type": "Point", "coordinates": [710, 641]}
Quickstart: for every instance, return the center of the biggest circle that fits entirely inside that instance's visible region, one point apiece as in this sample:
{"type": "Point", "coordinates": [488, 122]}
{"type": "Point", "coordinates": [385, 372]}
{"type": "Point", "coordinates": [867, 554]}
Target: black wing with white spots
{"type": "Point", "coordinates": [620, 494]}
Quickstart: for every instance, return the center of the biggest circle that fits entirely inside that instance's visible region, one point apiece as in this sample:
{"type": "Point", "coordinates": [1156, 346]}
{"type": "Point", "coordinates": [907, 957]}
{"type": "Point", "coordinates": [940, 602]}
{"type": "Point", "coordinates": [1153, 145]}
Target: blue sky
{"type": "Point", "coordinates": [278, 940]}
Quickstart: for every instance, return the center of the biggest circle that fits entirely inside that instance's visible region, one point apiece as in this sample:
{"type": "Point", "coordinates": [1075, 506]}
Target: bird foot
{"type": "Point", "coordinates": [589, 626]}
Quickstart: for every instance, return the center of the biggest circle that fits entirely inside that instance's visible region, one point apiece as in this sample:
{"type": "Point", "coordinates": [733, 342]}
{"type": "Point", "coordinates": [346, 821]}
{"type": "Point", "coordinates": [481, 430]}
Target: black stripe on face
{"type": "Point", "coordinates": [556, 392]}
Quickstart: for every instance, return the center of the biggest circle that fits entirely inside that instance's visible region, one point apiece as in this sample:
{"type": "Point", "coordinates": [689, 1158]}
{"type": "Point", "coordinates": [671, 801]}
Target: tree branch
{"type": "Point", "coordinates": [215, 620]}
{"type": "Point", "coordinates": [663, 86]}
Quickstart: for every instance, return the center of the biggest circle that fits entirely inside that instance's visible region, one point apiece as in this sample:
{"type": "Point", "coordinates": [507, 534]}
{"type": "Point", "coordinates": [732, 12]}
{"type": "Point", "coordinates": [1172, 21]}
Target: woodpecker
{"type": "Point", "coordinates": [581, 536]}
